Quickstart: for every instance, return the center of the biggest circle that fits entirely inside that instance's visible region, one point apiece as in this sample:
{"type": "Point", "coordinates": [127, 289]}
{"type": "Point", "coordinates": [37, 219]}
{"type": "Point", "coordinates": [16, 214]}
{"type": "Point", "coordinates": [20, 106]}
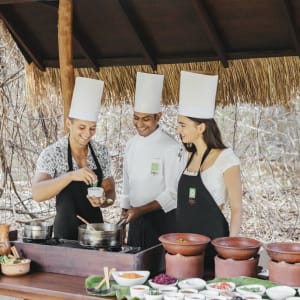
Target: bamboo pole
{"type": "Point", "coordinates": [65, 16]}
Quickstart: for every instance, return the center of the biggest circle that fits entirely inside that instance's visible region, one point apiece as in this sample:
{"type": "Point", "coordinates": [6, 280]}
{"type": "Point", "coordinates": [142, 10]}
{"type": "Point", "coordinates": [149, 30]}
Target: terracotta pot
{"type": "Point", "coordinates": [187, 244]}
{"type": "Point", "coordinates": [231, 268]}
{"type": "Point", "coordinates": [4, 240]}
{"type": "Point", "coordinates": [284, 273]}
{"type": "Point", "coordinates": [284, 251]}
{"type": "Point", "coordinates": [180, 266]}
{"type": "Point", "coordinates": [237, 248]}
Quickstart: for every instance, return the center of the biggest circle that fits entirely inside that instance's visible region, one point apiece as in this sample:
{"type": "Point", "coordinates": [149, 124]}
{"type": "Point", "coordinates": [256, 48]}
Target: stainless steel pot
{"type": "Point", "coordinates": [102, 235]}
{"type": "Point", "coordinates": [38, 230]}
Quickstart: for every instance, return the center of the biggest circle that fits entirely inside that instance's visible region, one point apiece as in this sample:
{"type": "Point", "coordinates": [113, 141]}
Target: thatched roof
{"type": "Point", "coordinates": [253, 45]}
{"type": "Point", "coordinates": [266, 81]}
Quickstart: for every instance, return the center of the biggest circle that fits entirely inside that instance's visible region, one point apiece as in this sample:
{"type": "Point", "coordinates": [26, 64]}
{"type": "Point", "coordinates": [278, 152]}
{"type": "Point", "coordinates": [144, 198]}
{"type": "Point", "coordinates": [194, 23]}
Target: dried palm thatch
{"type": "Point", "coordinates": [264, 81]}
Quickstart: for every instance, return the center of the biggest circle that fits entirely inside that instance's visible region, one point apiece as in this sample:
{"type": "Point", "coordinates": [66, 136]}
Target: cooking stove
{"type": "Point", "coordinates": [75, 244]}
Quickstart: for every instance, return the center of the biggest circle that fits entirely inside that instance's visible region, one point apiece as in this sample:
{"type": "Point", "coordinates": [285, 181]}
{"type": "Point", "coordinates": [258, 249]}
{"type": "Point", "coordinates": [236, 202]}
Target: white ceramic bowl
{"type": "Point", "coordinates": [154, 295]}
{"type": "Point", "coordinates": [247, 289]}
{"type": "Point", "coordinates": [209, 293]}
{"type": "Point", "coordinates": [251, 297]}
{"type": "Point", "coordinates": [169, 289]}
{"type": "Point", "coordinates": [187, 292]}
{"type": "Point", "coordinates": [221, 286]}
{"type": "Point", "coordinates": [159, 286]}
{"type": "Point", "coordinates": [293, 298]}
{"type": "Point", "coordinates": [192, 283]}
{"type": "Point", "coordinates": [139, 291]}
{"type": "Point", "coordinates": [280, 292]}
{"type": "Point", "coordinates": [195, 297]}
{"type": "Point", "coordinates": [124, 281]}
{"type": "Point", "coordinates": [173, 296]}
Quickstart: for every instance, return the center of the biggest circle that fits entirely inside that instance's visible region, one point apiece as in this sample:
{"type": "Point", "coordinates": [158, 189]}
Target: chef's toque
{"type": "Point", "coordinates": [197, 95]}
{"type": "Point", "coordinates": [86, 99]}
{"type": "Point", "coordinates": [148, 93]}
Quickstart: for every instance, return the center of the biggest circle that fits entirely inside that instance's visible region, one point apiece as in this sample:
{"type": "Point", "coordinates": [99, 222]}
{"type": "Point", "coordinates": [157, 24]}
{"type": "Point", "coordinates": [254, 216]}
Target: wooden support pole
{"type": "Point", "coordinates": [65, 16]}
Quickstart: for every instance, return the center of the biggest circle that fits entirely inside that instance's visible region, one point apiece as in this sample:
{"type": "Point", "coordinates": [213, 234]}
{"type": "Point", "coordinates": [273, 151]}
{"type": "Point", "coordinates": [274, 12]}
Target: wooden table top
{"type": "Point", "coordinates": [46, 286]}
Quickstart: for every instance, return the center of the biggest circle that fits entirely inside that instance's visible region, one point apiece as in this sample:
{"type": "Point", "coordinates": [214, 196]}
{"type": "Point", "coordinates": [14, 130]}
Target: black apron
{"type": "Point", "coordinates": [72, 201]}
{"type": "Point", "coordinates": [197, 211]}
{"type": "Point", "coordinates": [145, 230]}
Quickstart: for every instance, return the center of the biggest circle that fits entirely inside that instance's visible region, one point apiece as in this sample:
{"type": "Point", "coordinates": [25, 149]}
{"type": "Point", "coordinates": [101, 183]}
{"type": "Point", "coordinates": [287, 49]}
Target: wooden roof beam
{"type": "Point", "coordinates": [210, 31]}
{"type": "Point", "coordinates": [135, 28]}
{"type": "Point", "coordinates": [287, 11]}
{"type": "Point", "coordinates": [19, 36]}
{"type": "Point", "coordinates": [84, 46]}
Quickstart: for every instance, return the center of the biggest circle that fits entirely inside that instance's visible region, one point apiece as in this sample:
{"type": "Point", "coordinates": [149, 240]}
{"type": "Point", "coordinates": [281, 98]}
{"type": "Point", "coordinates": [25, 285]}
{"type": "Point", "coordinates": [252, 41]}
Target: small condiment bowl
{"type": "Point", "coordinates": [186, 292]}
{"type": "Point", "coordinates": [159, 286]}
{"type": "Point", "coordinates": [257, 289]}
{"type": "Point", "coordinates": [195, 297]}
{"type": "Point", "coordinates": [251, 297]}
{"type": "Point", "coordinates": [95, 191]}
{"type": "Point", "coordinates": [280, 292]}
{"type": "Point", "coordinates": [139, 291]}
{"type": "Point", "coordinates": [209, 293]}
{"type": "Point", "coordinates": [119, 277]}
{"type": "Point", "coordinates": [192, 283]}
{"type": "Point", "coordinates": [221, 286]}
{"type": "Point", "coordinates": [154, 295]}
{"type": "Point", "coordinates": [173, 296]}
{"type": "Point", "coordinates": [169, 289]}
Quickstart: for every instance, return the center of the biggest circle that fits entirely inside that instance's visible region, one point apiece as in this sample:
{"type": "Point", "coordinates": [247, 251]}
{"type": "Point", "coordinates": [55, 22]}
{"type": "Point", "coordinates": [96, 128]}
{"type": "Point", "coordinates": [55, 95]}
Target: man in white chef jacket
{"type": "Point", "coordinates": [150, 169]}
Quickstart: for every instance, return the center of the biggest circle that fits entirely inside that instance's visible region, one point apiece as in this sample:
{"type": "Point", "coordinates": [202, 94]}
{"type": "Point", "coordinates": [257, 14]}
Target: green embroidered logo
{"type": "Point", "coordinates": [192, 193]}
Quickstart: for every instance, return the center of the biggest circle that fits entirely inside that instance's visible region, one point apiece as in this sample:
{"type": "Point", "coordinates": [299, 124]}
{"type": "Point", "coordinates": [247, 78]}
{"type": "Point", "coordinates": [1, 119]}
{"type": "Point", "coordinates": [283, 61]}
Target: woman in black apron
{"type": "Point", "coordinates": [72, 201]}
{"type": "Point", "coordinates": [197, 211]}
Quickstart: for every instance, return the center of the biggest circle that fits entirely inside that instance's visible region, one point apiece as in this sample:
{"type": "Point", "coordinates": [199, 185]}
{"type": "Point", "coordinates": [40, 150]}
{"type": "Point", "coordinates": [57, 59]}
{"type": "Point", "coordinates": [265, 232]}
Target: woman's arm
{"type": "Point", "coordinates": [232, 179]}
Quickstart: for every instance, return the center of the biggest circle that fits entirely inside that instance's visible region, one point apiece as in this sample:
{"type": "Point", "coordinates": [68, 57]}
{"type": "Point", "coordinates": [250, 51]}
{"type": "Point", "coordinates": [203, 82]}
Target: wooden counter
{"type": "Point", "coordinates": [45, 286]}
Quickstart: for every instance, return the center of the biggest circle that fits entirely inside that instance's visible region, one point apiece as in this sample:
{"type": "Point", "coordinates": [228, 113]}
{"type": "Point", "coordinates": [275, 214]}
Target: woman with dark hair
{"type": "Point", "coordinates": [211, 172]}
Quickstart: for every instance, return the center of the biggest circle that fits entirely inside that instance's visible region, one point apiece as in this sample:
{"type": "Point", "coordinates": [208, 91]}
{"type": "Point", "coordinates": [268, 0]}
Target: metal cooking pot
{"type": "Point", "coordinates": [102, 235]}
{"type": "Point", "coordinates": [37, 230]}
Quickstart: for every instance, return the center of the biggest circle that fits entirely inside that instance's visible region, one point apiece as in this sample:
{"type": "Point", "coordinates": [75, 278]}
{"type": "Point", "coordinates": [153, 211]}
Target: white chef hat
{"type": "Point", "coordinates": [197, 95]}
{"type": "Point", "coordinates": [148, 93]}
{"type": "Point", "coordinates": [86, 99]}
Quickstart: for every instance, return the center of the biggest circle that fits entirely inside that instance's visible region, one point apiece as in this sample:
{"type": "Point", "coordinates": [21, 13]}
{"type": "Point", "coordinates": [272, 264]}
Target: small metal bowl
{"type": "Point", "coordinates": [38, 230]}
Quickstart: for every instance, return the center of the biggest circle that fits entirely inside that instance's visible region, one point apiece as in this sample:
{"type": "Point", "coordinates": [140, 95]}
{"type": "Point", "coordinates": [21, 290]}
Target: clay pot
{"type": "Point", "coordinates": [232, 268]}
{"type": "Point", "coordinates": [284, 273]}
{"type": "Point", "coordinates": [4, 240]}
{"type": "Point", "coordinates": [237, 248]}
{"type": "Point", "coordinates": [179, 266]}
{"type": "Point", "coordinates": [284, 251]}
{"type": "Point", "coordinates": [187, 244]}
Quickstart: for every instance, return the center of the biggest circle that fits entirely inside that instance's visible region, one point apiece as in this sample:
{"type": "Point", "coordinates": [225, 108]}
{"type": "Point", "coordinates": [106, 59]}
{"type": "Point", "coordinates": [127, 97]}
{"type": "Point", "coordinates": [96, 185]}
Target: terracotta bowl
{"type": "Point", "coordinates": [186, 244]}
{"type": "Point", "coordinates": [238, 248]}
{"type": "Point", "coordinates": [284, 251]}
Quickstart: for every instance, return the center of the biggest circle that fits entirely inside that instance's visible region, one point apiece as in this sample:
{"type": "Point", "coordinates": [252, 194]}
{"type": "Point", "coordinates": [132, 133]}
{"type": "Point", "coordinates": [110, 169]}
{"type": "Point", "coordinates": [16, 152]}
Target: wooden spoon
{"type": "Point", "coordinates": [104, 279]}
{"type": "Point", "coordinates": [89, 226]}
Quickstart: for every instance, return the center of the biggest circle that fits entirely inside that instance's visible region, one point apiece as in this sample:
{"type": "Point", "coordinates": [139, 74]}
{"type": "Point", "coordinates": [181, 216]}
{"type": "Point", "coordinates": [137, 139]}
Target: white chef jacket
{"type": "Point", "coordinates": [150, 171]}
